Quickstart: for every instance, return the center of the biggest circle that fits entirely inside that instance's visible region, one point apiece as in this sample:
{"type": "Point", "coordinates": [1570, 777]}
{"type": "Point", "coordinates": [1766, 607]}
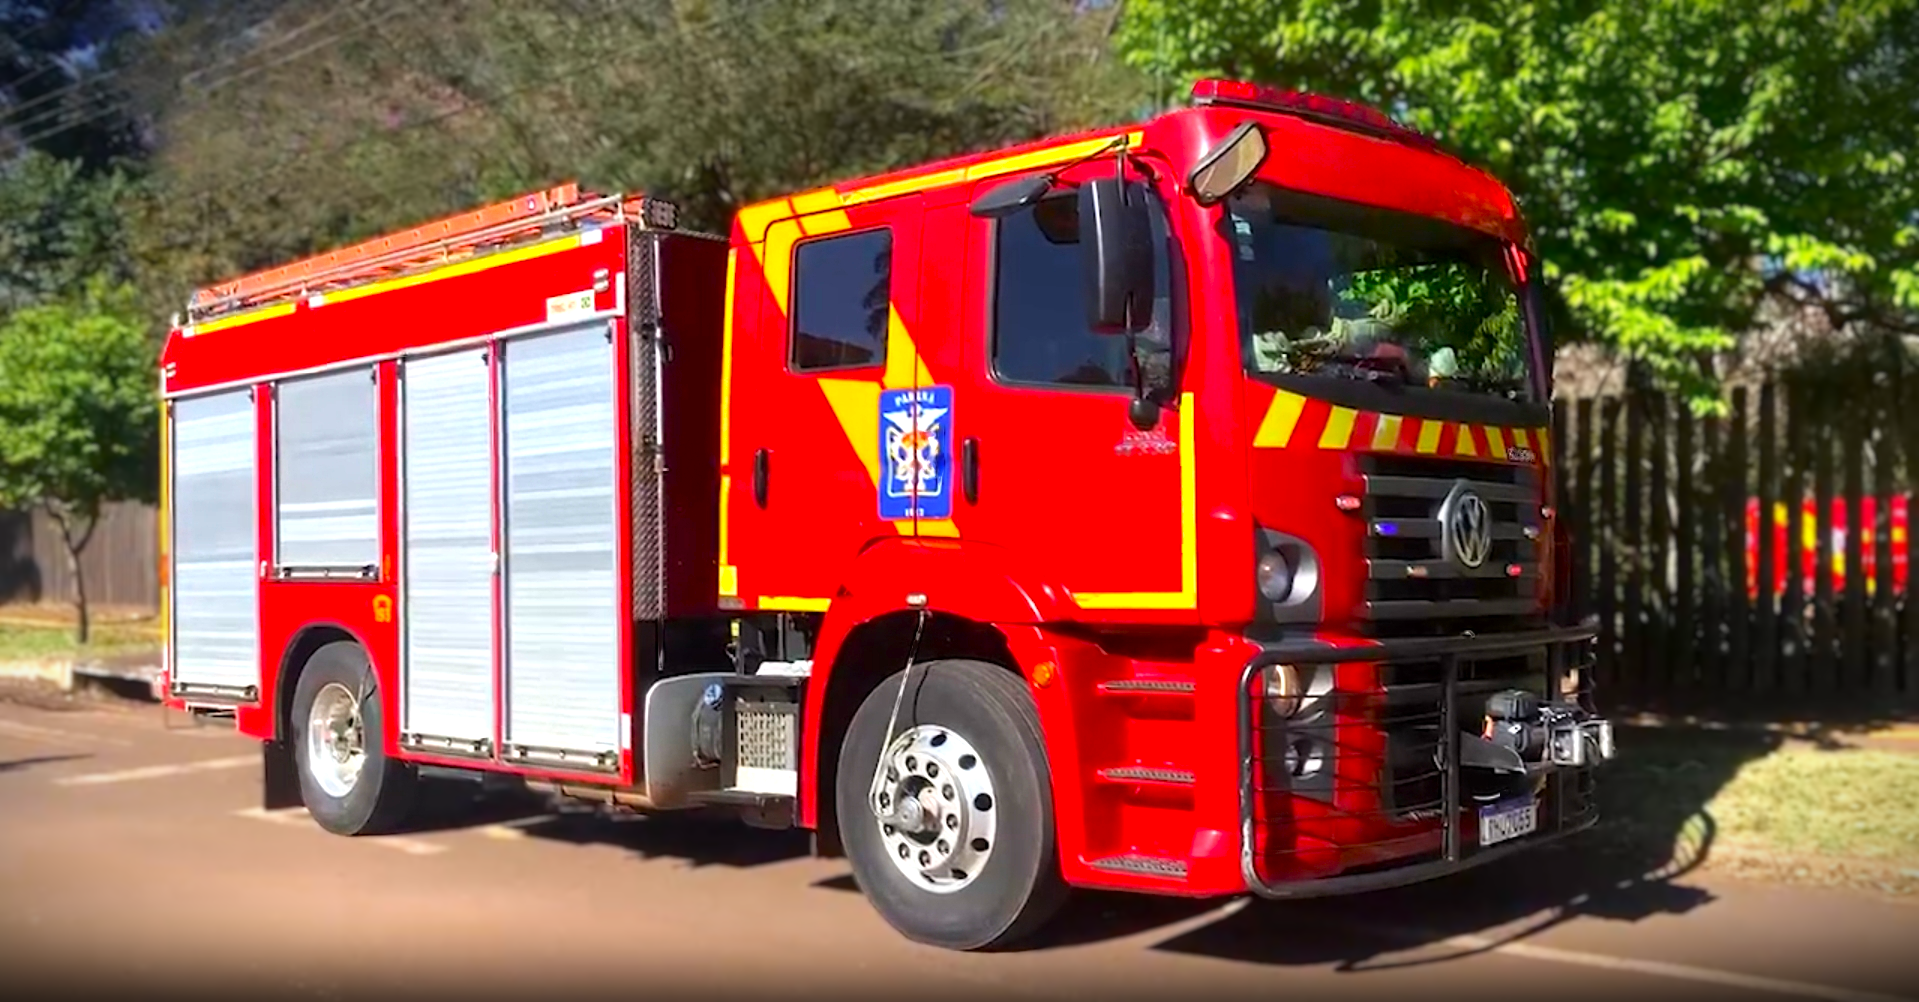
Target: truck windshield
{"type": "Point", "coordinates": [1348, 291]}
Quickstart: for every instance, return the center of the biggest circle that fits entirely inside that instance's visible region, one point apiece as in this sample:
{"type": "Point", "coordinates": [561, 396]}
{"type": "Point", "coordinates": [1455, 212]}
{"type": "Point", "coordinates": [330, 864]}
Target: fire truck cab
{"type": "Point", "coordinates": [1165, 508]}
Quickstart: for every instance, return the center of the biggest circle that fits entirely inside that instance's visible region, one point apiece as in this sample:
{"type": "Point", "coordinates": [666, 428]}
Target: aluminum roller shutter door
{"type": "Point", "coordinates": [563, 603]}
{"type": "Point", "coordinates": [326, 471]}
{"type": "Point", "coordinates": [446, 487]}
{"type": "Point", "coordinates": [215, 636]}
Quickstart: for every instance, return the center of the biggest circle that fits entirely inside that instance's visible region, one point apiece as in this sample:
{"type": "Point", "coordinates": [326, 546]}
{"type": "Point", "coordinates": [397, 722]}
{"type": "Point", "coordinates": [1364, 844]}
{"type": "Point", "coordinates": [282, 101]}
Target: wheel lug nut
{"type": "Point", "coordinates": [933, 769]}
{"type": "Point", "coordinates": [947, 791]}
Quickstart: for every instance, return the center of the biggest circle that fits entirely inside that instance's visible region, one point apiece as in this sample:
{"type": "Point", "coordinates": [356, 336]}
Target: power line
{"type": "Point", "coordinates": [26, 125]}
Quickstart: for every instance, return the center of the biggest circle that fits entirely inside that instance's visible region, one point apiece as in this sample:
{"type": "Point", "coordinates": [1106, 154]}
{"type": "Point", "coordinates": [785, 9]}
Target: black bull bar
{"type": "Point", "coordinates": [1448, 651]}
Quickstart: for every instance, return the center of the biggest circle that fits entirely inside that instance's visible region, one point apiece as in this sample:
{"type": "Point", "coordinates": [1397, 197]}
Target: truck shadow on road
{"type": "Point", "coordinates": [700, 839]}
{"type": "Point", "coordinates": [22, 764]}
{"type": "Point", "coordinates": [1656, 830]}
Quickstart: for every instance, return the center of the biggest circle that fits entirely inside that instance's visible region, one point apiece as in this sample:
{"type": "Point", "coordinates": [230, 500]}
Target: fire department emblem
{"type": "Point", "coordinates": [1466, 526]}
{"type": "Point", "coordinates": [916, 454]}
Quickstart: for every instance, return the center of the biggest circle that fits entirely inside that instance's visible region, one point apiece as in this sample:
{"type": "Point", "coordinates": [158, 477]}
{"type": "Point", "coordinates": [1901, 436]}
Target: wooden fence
{"type": "Point", "coordinates": [1702, 604]}
{"type": "Point", "coordinates": [120, 562]}
{"type": "Point", "coordinates": [1705, 605]}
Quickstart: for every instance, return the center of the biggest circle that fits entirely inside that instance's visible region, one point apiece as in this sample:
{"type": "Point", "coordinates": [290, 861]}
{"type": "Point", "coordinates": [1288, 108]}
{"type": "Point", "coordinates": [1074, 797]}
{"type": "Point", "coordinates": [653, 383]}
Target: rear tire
{"type": "Point", "coordinates": [968, 759]}
{"type": "Point", "coordinates": [347, 781]}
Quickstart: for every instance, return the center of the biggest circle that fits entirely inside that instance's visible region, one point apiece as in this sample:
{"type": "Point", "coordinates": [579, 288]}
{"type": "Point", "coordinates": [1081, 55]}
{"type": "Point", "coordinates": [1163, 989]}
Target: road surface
{"type": "Point", "coordinates": [133, 859]}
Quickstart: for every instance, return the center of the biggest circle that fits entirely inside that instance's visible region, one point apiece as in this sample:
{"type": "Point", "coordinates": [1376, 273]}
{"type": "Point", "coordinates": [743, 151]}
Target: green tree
{"type": "Point", "coordinates": [1681, 162]}
{"type": "Point", "coordinates": [378, 116]}
{"type": "Point", "coordinates": [59, 226]}
{"type": "Point", "coordinates": [78, 414]}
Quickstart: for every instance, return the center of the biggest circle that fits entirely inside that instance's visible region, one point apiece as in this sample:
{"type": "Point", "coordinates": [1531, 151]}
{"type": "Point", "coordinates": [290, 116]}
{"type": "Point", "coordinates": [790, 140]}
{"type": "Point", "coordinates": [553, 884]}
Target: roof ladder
{"type": "Point", "coordinates": [523, 219]}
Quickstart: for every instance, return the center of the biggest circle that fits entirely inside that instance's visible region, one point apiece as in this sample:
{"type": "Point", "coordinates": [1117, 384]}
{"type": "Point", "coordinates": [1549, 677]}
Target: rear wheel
{"type": "Point", "coordinates": [347, 781]}
{"type": "Point", "coordinates": [964, 856]}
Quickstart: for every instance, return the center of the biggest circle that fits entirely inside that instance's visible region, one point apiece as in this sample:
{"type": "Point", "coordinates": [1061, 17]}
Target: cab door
{"type": "Point", "coordinates": [812, 366]}
{"type": "Point", "coordinates": [1059, 473]}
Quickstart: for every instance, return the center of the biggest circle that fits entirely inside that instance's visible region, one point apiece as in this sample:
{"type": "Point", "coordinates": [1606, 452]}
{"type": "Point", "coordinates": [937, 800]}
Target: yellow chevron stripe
{"type": "Point", "coordinates": [1282, 416]}
{"type": "Point", "coordinates": [1386, 433]}
{"type": "Point", "coordinates": [1339, 428]}
{"type": "Point", "coordinates": [1495, 444]}
{"type": "Point", "coordinates": [1464, 445]}
{"type": "Point", "coordinates": [1429, 432]}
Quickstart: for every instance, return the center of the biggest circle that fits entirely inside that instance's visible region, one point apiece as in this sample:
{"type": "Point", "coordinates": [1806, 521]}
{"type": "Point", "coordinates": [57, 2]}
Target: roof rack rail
{"type": "Point", "coordinates": [533, 215]}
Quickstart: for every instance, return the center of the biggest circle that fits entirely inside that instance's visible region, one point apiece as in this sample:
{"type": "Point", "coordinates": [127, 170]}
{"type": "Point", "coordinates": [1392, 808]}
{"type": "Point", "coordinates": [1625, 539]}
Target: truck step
{"type": "Point", "coordinates": [1148, 687]}
{"type": "Point", "coordinates": [1149, 774]}
{"type": "Point", "coordinates": [738, 798]}
{"type": "Point", "coordinates": [1142, 865]}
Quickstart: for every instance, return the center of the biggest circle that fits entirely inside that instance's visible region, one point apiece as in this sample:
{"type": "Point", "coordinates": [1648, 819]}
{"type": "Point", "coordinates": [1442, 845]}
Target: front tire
{"type": "Point", "coordinates": [347, 781]}
{"type": "Point", "coordinates": [973, 862]}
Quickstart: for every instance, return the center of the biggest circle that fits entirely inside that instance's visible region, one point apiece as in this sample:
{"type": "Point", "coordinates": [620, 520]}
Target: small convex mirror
{"type": "Point", "coordinates": [1228, 165]}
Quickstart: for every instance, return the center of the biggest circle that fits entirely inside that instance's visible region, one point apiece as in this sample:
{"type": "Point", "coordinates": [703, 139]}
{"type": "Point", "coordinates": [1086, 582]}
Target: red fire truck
{"type": "Point", "coordinates": [1164, 508]}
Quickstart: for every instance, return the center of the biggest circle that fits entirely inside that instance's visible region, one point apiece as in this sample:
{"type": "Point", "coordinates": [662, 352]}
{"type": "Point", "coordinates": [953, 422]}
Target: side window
{"type": "Point", "coordinates": [326, 473]}
{"type": "Point", "coordinates": [1040, 334]}
{"type": "Point", "coordinates": [842, 292]}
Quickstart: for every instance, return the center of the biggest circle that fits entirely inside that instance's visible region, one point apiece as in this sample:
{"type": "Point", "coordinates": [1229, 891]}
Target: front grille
{"type": "Point", "coordinates": [1410, 781]}
{"type": "Point", "coordinates": [1412, 587]}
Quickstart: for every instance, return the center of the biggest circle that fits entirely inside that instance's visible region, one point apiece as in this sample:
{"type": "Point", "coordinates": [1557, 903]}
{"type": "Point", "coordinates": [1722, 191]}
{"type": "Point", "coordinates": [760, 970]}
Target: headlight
{"type": "Point", "coordinates": [1286, 575]}
{"type": "Point", "coordinates": [1276, 575]}
{"type": "Point", "coordinates": [1283, 689]}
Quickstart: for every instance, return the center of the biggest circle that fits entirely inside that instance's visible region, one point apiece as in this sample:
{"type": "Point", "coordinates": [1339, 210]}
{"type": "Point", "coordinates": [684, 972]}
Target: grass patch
{"type": "Point", "coordinates": [1857, 803]}
{"type": "Point", "coordinates": [1762, 805]}
{"type": "Point", "coordinates": [33, 641]}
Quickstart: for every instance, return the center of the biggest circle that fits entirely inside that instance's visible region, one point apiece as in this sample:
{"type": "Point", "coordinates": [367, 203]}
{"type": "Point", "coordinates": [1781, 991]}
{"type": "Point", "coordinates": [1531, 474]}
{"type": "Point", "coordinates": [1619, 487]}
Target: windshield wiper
{"type": "Point", "coordinates": [1372, 369]}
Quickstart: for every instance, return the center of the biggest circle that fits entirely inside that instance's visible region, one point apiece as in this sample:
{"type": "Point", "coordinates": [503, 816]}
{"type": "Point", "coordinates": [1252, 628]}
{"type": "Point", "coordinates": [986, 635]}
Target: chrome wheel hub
{"type": "Point", "coordinates": [936, 808]}
{"type": "Point", "coordinates": [335, 740]}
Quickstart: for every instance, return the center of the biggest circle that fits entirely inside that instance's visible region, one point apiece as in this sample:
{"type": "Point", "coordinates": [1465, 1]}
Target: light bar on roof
{"type": "Point", "coordinates": [1317, 107]}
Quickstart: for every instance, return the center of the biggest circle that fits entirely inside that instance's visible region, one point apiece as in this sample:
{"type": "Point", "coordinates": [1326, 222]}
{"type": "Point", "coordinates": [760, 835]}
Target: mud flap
{"type": "Point", "coordinates": [279, 777]}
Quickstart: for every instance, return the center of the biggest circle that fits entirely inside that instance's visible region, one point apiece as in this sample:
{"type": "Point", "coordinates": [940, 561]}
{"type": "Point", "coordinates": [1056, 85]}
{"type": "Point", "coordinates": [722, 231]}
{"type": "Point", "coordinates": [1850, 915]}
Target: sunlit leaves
{"type": "Point", "coordinates": [1681, 161]}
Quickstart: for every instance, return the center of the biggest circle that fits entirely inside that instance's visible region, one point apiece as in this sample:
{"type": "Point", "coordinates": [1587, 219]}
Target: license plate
{"type": "Point", "coordinates": [1507, 820]}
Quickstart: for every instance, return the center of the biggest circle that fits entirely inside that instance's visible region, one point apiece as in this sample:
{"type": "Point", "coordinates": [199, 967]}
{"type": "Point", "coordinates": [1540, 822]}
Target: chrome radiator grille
{"type": "Point", "coordinates": [1422, 576]}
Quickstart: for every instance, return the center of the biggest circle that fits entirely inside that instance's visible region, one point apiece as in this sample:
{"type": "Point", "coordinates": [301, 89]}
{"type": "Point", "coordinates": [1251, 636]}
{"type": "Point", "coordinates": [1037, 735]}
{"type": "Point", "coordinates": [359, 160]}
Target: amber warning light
{"type": "Point", "coordinates": [1316, 107]}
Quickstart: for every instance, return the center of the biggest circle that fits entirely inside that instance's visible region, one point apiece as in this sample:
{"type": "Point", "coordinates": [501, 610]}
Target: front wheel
{"type": "Point", "coordinates": [956, 847]}
{"type": "Point", "coordinates": [348, 783]}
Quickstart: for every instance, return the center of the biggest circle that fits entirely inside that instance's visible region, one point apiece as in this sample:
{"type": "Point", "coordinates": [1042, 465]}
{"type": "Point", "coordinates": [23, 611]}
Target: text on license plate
{"type": "Point", "coordinates": [1508, 819]}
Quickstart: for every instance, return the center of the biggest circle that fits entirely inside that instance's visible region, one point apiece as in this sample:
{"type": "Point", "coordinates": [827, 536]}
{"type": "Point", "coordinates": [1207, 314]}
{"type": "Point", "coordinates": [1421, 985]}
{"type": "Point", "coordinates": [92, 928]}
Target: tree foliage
{"type": "Point", "coordinates": [59, 227]}
{"type": "Point", "coordinates": [409, 111]}
{"type": "Point", "coordinates": [1682, 162]}
{"type": "Point", "coordinates": [78, 417]}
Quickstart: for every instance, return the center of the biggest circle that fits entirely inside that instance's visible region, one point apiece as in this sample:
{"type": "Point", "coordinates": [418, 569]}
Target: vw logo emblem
{"type": "Point", "coordinates": [1468, 528]}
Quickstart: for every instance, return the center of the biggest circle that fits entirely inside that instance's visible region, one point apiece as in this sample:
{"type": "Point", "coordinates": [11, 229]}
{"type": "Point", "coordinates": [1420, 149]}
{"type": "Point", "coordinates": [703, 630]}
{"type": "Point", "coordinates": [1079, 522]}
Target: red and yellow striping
{"type": "Point", "coordinates": [1294, 421]}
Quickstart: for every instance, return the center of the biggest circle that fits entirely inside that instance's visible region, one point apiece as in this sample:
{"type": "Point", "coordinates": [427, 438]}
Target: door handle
{"type": "Point", "coordinates": [762, 460]}
{"type": "Point", "coordinates": [969, 470]}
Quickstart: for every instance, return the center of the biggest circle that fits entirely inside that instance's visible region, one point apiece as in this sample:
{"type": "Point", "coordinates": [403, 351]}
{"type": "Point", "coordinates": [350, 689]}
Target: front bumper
{"type": "Point", "coordinates": [1573, 744]}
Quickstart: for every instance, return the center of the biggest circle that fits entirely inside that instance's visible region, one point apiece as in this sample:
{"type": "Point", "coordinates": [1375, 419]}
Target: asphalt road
{"type": "Point", "coordinates": [133, 858]}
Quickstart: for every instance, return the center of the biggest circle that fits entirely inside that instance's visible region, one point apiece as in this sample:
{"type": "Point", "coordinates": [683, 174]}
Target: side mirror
{"type": "Point", "coordinates": [1116, 246]}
